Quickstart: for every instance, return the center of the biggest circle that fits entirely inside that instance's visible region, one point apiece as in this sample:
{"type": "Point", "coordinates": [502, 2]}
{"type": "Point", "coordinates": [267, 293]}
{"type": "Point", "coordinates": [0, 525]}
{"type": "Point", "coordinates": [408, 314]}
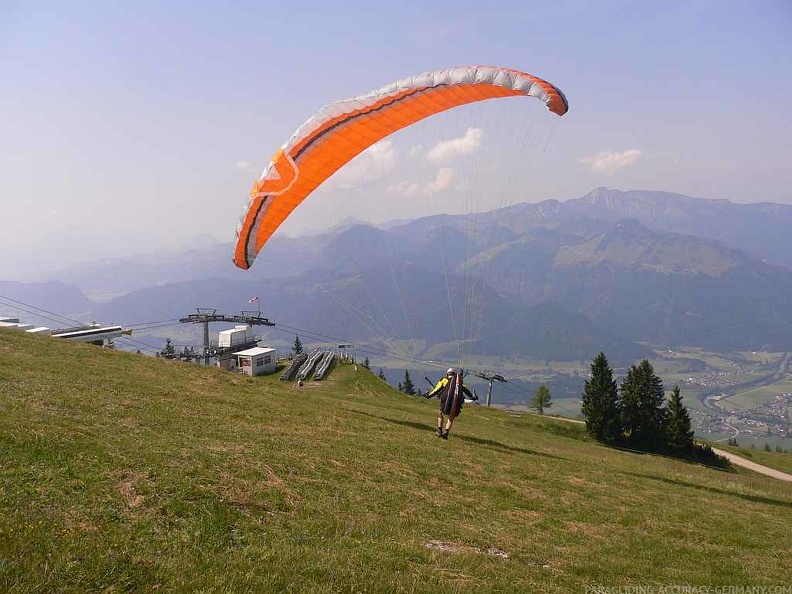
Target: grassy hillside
{"type": "Point", "coordinates": [125, 473]}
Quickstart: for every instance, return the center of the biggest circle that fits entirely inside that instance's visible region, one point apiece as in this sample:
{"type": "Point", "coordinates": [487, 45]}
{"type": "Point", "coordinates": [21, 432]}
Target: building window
{"type": "Point", "coordinates": [259, 361]}
{"type": "Point", "coordinates": [267, 359]}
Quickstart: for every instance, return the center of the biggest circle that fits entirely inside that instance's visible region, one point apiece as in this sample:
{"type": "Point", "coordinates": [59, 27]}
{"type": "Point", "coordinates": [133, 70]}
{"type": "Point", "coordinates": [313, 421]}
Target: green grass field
{"type": "Point", "coordinates": [122, 473]}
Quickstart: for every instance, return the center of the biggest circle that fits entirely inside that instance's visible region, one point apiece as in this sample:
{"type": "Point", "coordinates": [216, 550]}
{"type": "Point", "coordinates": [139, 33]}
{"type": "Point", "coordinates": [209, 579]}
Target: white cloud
{"type": "Point", "coordinates": [416, 150]}
{"type": "Point", "coordinates": [371, 165]}
{"type": "Point", "coordinates": [608, 162]}
{"type": "Point", "coordinates": [244, 165]}
{"type": "Point", "coordinates": [405, 188]}
{"type": "Point", "coordinates": [442, 182]}
{"type": "Point", "coordinates": [446, 150]}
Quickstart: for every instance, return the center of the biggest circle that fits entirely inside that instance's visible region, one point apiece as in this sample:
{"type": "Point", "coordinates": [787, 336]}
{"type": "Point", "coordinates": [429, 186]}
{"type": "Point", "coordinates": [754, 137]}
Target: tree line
{"type": "Point", "coordinates": [636, 414]}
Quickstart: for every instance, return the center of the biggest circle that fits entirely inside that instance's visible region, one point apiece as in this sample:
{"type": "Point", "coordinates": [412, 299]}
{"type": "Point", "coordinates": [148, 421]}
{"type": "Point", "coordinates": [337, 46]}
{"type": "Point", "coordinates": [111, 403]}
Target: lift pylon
{"type": "Point", "coordinates": [207, 315]}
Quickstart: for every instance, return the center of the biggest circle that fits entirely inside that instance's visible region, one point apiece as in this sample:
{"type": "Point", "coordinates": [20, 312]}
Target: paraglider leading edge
{"type": "Point", "coordinates": [342, 130]}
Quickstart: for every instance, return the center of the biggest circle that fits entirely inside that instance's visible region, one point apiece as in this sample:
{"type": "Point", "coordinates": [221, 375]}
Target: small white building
{"type": "Point", "coordinates": [256, 361]}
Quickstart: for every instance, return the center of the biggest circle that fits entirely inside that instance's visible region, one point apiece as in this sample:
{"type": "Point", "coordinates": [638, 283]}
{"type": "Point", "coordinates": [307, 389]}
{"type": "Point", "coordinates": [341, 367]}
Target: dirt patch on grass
{"type": "Point", "coordinates": [455, 547]}
{"type": "Point", "coordinates": [129, 486]}
{"type": "Point", "coordinates": [275, 480]}
{"type": "Point", "coordinates": [130, 423]}
{"type": "Point", "coordinates": [74, 523]}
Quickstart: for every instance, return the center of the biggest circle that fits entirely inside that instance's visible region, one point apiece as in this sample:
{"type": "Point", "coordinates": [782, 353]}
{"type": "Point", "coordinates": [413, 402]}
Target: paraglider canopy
{"type": "Point", "coordinates": [342, 130]}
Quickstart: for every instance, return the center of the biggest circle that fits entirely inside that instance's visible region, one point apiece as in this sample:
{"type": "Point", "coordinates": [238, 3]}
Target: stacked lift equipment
{"type": "Point", "coordinates": [324, 365]}
{"type": "Point", "coordinates": [289, 373]}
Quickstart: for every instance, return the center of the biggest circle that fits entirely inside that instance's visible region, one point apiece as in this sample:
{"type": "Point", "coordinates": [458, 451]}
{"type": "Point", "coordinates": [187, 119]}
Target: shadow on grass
{"type": "Point", "coordinates": [726, 467]}
{"type": "Point", "coordinates": [490, 443]}
{"type": "Point", "coordinates": [747, 497]}
{"type": "Point", "coordinates": [496, 445]}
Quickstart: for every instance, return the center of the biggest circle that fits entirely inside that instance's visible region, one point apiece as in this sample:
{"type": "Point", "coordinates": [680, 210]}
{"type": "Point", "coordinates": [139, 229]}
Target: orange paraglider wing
{"type": "Point", "coordinates": [340, 131]}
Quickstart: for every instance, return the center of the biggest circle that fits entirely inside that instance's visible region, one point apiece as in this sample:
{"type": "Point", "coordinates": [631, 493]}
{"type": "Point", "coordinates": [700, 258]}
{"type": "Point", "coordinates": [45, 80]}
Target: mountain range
{"type": "Point", "coordinates": [613, 271]}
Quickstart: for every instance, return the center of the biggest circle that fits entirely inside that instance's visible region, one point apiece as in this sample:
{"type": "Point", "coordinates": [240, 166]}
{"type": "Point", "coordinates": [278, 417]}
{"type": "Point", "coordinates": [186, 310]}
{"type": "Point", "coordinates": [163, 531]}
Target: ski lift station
{"type": "Point", "coordinates": [238, 350]}
{"type": "Point", "coordinates": [256, 361]}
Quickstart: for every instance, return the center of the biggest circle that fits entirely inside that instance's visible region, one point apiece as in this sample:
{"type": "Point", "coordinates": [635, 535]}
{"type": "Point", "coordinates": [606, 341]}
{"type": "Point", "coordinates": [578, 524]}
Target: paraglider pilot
{"type": "Point", "coordinates": [452, 393]}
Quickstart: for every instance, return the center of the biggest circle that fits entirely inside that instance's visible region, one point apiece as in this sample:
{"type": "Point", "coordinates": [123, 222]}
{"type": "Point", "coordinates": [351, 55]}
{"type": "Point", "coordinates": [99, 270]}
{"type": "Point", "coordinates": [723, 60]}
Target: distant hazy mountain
{"type": "Point", "coordinates": [670, 289]}
{"type": "Point", "coordinates": [390, 308]}
{"type": "Point", "coordinates": [35, 303]}
{"type": "Point", "coordinates": [86, 243]}
{"type": "Point", "coordinates": [110, 277]}
{"type": "Point", "coordinates": [761, 229]}
{"type": "Point", "coordinates": [547, 280]}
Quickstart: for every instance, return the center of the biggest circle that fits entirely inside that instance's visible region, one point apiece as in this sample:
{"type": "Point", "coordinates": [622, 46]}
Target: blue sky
{"type": "Point", "coordinates": [138, 125]}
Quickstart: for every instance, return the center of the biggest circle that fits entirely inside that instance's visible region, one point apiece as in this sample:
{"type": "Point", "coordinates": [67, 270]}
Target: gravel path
{"type": "Point", "coordinates": [740, 461]}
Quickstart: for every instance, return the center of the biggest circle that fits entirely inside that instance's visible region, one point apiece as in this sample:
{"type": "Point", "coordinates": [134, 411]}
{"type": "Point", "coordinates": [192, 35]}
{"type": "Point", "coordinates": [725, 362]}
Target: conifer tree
{"type": "Point", "coordinates": [367, 363]}
{"type": "Point", "coordinates": [169, 352]}
{"type": "Point", "coordinates": [542, 399]}
{"type": "Point", "coordinates": [601, 401]}
{"type": "Point", "coordinates": [381, 375]}
{"type": "Point", "coordinates": [679, 435]}
{"type": "Point", "coordinates": [407, 385]}
{"type": "Point", "coordinates": [297, 349]}
{"type": "Point", "coordinates": [641, 406]}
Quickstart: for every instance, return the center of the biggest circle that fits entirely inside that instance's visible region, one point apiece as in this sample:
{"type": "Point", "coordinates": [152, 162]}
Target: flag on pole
{"type": "Point", "coordinates": [253, 300]}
